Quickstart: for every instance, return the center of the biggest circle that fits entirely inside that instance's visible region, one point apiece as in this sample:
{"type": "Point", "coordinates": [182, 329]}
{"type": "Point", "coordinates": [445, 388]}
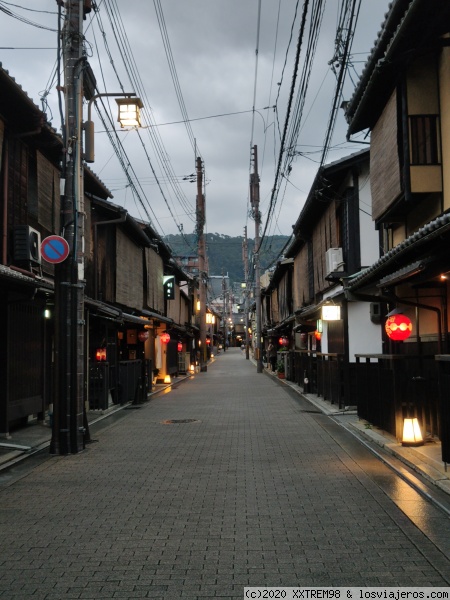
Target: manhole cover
{"type": "Point", "coordinates": [175, 421]}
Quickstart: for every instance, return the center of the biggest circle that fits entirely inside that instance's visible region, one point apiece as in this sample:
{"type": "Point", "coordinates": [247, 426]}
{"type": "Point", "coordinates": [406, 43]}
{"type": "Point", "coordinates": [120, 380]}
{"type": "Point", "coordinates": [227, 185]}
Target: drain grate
{"type": "Point", "coordinates": [175, 421]}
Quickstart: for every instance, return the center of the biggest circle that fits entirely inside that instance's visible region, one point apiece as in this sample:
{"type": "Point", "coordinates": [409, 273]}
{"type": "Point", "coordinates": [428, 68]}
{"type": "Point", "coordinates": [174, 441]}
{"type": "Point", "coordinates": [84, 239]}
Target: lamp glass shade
{"type": "Point", "coordinates": [129, 112]}
{"type": "Point", "coordinates": [412, 436]}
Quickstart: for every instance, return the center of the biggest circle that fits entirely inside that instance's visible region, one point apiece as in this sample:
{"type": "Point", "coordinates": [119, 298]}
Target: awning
{"type": "Point", "coordinates": [152, 315]}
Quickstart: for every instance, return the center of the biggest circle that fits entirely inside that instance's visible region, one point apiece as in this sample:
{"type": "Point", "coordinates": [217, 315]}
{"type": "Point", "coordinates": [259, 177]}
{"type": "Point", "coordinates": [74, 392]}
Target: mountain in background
{"type": "Point", "coordinates": [225, 252]}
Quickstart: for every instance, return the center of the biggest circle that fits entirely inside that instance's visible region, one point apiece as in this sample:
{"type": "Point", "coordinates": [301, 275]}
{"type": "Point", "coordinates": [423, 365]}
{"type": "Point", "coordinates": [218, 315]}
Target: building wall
{"type": "Point", "coordinates": [384, 160]}
{"type": "Point", "coordinates": [444, 93]}
{"type": "Point", "coordinates": [300, 278]}
{"type": "Point", "coordinates": [368, 235]}
{"type": "Point", "coordinates": [364, 336]}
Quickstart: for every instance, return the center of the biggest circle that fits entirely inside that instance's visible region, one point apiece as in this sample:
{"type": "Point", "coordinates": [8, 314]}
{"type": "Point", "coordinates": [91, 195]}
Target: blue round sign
{"type": "Point", "coordinates": [54, 249]}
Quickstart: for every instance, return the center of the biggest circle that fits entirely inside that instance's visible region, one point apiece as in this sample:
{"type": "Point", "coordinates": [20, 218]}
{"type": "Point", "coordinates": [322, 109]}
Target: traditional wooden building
{"type": "Point", "coordinates": [402, 98]}
{"type": "Point", "coordinates": [126, 306]}
{"type": "Point", "coordinates": [333, 239]}
{"type": "Point", "coordinates": [30, 154]}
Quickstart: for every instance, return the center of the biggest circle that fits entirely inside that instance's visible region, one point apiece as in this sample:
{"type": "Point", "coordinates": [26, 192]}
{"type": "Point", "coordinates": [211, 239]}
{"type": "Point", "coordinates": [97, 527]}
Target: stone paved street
{"type": "Point", "coordinates": [250, 490]}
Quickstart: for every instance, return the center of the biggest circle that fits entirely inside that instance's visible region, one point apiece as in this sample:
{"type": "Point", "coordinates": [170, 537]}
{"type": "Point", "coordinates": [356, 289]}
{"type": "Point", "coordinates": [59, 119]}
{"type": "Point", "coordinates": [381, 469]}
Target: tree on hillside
{"type": "Point", "coordinates": [225, 252]}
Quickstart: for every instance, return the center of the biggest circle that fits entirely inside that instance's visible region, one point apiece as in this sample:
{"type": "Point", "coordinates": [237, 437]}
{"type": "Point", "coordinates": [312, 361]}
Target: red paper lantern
{"type": "Point", "coordinates": [100, 354]}
{"type": "Point", "coordinates": [318, 335]}
{"type": "Point", "coordinates": [283, 341]}
{"type": "Point", "coordinates": [165, 337]}
{"type": "Point", "coordinates": [180, 347]}
{"type": "Point", "coordinates": [398, 328]}
{"type": "Point", "coordinates": [143, 336]}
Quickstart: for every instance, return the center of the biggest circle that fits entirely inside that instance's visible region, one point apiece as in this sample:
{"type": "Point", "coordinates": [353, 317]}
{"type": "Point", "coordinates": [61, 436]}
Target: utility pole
{"type": "Point", "coordinates": [254, 196]}
{"type": "Point", "coordinates": [68, 395]}
{"type": "Point", "coordinates": [224, 312]}
{"type": "Point", "coordinates": [246, 292]}
{"type": "Point", "coordinates": [201, 249]}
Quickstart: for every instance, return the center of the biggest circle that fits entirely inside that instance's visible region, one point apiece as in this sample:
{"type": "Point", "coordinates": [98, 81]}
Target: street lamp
{"type": "Point", "coordinates": [128, 116]}
{"type": "Point", "coordinates": [129, 112]}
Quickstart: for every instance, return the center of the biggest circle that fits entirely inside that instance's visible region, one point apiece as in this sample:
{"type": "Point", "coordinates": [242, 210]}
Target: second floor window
{"type": "Point", "coordinates": [424, 140]}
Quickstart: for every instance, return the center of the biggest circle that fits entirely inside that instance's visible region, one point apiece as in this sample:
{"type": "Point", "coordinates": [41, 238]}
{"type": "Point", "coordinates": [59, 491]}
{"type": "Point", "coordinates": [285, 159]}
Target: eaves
{"type": "Point", "coordinates": [401, 252]}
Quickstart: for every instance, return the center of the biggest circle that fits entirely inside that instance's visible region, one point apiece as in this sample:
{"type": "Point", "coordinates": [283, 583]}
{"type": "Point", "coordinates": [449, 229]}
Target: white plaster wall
{"type": "Point", "coordinates": [364, 336]}
{"type": "Point", "coordinates": [369, 236]}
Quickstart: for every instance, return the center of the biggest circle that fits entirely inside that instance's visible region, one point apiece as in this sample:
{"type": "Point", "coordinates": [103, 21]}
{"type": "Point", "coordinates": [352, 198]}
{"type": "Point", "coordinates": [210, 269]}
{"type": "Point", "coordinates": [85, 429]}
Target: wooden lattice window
{"type": "Point", "coordinates": [424, 140]}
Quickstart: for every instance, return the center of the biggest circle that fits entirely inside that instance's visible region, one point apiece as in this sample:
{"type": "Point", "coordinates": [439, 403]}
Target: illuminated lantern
{"type": "Point", "coordinates": [143, 336]}
{"type": "Point", "coordinates": [180, 347]}
{"type": "Point", "coordinates": [318, 335]}
{"type": "Point", "coordinates": [283, 341]}
{"type": "Point", "coordinates": [398, 327]}
{"type": "Point", "coordinates": [100, 354]}
{"type": "Point", "coordinates": [208, 341]}
{"type": "Point", "coordinates": [165, 338]}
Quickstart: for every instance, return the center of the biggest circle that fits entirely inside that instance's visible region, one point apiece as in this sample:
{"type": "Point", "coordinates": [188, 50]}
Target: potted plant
{"type": "Point", "coordinates": [280, 368]}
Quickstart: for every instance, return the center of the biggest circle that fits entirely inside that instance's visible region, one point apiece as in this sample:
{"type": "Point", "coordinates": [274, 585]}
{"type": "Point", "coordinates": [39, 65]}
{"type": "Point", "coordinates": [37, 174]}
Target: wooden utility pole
{"type": "Point", "coordinates": [246, 293]}
{"type": "Point", "coordinates": [68, 434]}
{"type": "Point", "coordinates": [202, 275]}
{"type": "Point", "coordinates": [254, 196]}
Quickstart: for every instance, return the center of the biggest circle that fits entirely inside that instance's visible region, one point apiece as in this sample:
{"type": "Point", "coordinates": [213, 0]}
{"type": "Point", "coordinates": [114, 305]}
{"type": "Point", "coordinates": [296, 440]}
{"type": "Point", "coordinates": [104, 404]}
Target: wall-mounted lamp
{"type": "Point", "coordinates": [47, 314]}
{"type": "Point", "coordinates": [331, 312]}
{"type": "Point", "coordinates": [100, 354]}
{"type": "Point", "coordinates": [412, 436]}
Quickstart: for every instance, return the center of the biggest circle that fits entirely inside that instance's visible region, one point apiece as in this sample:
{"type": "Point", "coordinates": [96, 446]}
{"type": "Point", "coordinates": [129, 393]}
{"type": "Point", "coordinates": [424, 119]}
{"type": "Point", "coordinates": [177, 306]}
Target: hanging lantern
{"type": "Point", "coordinates": [100, 354]}
{"type": "Point", "coordinates": [318, 335]}
{"type": "Point", "coordinates": [165, 337]}
{"type": "Point", "coordinates": [283, 341]}
{"type": "Point", "coordinates": [398, 327]}
{"type": "Point", "coordinates": [179, 347]}
{"type": "Point", "coordinates": [143, 336]}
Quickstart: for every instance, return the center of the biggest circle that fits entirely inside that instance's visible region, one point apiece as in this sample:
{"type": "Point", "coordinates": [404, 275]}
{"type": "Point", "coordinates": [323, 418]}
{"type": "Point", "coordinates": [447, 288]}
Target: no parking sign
{"type": "Point", "coordinates": [54, 249]}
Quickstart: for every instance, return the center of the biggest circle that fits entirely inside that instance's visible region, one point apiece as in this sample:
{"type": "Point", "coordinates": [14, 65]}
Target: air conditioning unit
{"type": "Point", "coordinates": [27, 244]}
{"type": "Point", "coordinates": [333, 260]}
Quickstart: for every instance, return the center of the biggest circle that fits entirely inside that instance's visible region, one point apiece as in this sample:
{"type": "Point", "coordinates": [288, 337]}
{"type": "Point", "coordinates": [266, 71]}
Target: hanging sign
{"type": "Point", "coordinates": [54, 249]}
{"type": "Point", "coordinates": [169, 287]}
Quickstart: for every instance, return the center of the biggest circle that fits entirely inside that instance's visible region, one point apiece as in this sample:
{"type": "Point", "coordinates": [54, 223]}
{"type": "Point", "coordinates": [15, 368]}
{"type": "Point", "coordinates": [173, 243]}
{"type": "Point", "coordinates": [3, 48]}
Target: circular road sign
{"type": "Point", "coordinates": [54, 249]}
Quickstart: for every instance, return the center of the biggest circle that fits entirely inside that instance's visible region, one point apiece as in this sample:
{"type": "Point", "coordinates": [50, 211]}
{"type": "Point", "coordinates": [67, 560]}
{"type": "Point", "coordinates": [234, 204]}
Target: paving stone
{"type": "Point", "coordinates": [255, 492]}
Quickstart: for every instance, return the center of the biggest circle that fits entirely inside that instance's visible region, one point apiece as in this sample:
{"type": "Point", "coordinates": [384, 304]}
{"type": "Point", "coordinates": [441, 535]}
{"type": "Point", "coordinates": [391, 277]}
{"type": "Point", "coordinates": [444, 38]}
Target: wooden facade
{"type": "Point", "coordinates": [124, 260]}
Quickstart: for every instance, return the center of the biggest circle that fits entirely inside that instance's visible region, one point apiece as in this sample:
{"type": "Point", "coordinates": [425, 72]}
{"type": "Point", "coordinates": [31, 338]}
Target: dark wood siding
{"type": "Point", "coordinates": [384, 161]}
{"type": "Point", "coordinates": [129, 260]}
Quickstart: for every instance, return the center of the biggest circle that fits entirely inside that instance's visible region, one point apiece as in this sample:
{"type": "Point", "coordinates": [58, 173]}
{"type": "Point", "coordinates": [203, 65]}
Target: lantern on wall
{"type": "Point", "coordinates": [100, 354]}
{"type": "Point", "coordinates": [165, 337]}
{"type": "Point", "coordinates": [398, 327]}
{"type": "Point", "coordinates": [179, 347]}
{"type": "Point", "coordinates": [318, 335]}
{"type": "Point", "coordinates": [283, 341]}
{"type": "Point", "coordinates": [143, 336]}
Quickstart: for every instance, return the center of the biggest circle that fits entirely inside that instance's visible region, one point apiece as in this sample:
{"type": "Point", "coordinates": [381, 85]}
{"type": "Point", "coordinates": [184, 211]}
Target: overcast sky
{"type": "Point", "coordinates": [213, 45]}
